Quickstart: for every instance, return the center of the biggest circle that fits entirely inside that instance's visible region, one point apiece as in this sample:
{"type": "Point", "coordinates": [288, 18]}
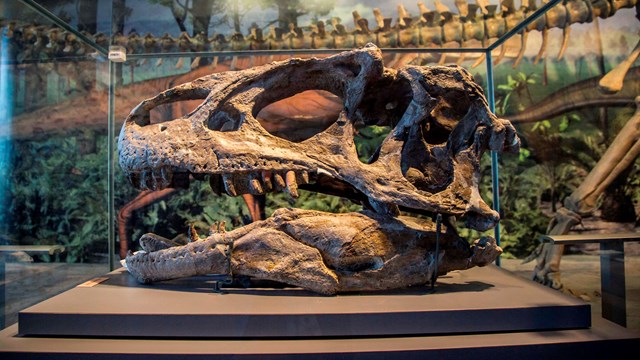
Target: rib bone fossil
{"type": "Point", "coordinates": [428, 164]}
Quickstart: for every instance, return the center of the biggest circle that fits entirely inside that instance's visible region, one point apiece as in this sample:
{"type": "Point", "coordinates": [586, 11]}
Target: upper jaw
{"type": "Point", "coordinates": [223, 141]}
{"type": "Point", "coordinates": [267, 167]}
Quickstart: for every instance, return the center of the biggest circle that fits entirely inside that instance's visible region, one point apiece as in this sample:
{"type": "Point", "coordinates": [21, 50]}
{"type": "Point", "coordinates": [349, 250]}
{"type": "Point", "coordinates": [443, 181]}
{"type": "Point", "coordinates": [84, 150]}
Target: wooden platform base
{"type": "Point", "coordinates": [482, 313]}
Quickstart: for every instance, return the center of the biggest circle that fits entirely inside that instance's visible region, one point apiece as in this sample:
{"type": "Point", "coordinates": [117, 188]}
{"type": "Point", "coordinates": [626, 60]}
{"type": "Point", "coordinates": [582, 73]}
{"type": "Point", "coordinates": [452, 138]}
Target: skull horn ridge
{"type": "Point", "coordinates": [429, 162]}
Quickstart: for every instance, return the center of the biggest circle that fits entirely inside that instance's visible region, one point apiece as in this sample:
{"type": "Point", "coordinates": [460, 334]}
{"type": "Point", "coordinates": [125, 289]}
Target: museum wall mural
{"type": "Point", "coordinates": [549, 84]}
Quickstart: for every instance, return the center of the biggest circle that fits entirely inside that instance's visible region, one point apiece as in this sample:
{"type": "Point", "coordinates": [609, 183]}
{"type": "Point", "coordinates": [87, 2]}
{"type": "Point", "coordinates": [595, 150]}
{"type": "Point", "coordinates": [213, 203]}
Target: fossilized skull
{"type": "Point", "coordinates": [429, 162]}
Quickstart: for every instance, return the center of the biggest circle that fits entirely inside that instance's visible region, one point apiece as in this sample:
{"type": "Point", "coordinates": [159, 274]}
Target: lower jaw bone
{"type": "Point", "coordinates": [322, 252]}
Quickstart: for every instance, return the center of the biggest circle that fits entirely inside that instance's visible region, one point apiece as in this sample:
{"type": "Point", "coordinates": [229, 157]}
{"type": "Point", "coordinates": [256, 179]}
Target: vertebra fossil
{"type": "Point", "coordinates": [428, 164]}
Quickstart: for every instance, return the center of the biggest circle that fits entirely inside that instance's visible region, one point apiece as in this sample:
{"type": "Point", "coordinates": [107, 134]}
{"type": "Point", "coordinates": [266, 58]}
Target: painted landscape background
{"type": "Point", "coordinates": [53, 122]}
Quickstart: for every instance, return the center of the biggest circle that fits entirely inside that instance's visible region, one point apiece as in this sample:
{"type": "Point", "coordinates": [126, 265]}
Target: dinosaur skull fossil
{"type": "Point", "coordinates": [429, 162]}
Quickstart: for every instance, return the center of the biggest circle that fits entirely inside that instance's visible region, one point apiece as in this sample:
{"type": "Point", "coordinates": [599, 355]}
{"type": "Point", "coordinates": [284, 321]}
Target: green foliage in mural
{"type": "Point", "coordinates": [516, 88]}
{"type": "Point", "coordinates": [58, 196]}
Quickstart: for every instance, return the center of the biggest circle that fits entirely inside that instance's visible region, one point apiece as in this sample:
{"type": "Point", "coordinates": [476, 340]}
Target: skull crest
{"type": "Point", "coordinates": [427, 164]}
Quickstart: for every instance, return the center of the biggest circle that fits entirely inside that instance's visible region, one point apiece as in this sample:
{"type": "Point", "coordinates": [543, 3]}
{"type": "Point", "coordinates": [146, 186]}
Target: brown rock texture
{"type": "Point", "coordinates": [428, 164]}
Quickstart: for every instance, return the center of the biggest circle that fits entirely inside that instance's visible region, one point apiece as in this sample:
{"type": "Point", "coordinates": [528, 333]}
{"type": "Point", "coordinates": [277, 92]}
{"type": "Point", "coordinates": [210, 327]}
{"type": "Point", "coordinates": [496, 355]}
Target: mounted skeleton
{"type": "Point", "coordinates": [622, 153]}
{"type": "Point", "coordinates": [475, 25]}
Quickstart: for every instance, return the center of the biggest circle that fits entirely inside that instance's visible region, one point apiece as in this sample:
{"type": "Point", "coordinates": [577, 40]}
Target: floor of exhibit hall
{"type": "Point", "coordinates": [28, 283]}
{"type": "Point", "coordinates": [604, 339]}
{"type": "Point", "coordinates": [580, 274]}
{"type": "Point", "coordinates": [471, 314]}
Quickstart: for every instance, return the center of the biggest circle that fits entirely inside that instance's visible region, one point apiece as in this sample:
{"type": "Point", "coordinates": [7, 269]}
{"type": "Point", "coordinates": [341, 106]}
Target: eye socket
{"type": "Point", "coordinates": [301, 116]}
{"type": "Point", "coordinates": [174, 110]}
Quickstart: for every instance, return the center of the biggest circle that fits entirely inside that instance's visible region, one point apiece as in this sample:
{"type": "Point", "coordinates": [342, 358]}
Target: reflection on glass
{"type": "Point", "coordinates": [53, 103]}
{"type": "Point", "coordinates": [53, 214]}
{"type": "Point", "coordinates": [568, 115]}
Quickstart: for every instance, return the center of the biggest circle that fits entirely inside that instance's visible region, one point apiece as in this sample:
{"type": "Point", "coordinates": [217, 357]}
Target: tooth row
{"type": "Point", "coordinates": [259, 183]}
{"type": "Point", "coordinates": [158, 179]}
{"type": "Point", "coordinates": [233, 184]}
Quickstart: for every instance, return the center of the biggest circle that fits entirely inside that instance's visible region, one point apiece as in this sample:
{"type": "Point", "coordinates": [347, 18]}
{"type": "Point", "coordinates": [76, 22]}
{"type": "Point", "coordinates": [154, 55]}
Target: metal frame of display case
{"type": "Point", "coordinates": [112, 81]}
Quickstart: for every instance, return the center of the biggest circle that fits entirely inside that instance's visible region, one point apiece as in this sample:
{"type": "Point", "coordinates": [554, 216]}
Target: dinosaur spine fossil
{"type": "Point", "coordinates": [473, 25]}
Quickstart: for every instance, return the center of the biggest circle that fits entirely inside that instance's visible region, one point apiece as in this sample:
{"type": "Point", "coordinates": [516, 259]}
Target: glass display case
{"type": "Point", "coordinates": [71, 71]}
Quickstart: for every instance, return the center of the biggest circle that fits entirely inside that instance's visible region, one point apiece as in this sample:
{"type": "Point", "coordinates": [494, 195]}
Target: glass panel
{"type": "Point", "coordinates": [567, 122]}
{"type": "Point", "coordinates": [88, 16]}
{"type": "Point", "coordinates": [54, 108]}
{"type": "Point", "coordinates": [171, 26]}
{"type": "Point", "coordinates": [81, 27]}
{"type": "Point", "coordinates": [53, 162]}
{"type": "Point", "coordinates": [170, 212]}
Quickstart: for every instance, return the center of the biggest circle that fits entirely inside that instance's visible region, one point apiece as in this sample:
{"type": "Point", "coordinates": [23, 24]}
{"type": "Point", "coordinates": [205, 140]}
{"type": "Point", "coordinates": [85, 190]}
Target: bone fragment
{"type": "Point", "coordinates": [440, 7]}
{"type": "Point", "coordinates": [322, 252]}
{"type": "Point", "coordinates": [462, 6]}
{"type": "Point", "coordinates": [356, 20]}
{"type": "Point", "coordinates": [566, 31]}
{"type": "Point", "coordinates": [379, 18]}
{"type": "Point", "coordinates": [612, 82]}
{"type": "Point", "coordinates": [402, 15]}
{"type": "Point", "coordinates": [543, 46]}
{"type": "Point", "coordinates": [483, 5]}
{"type": "Point", "coordinates": [179, 64]}
{"type": "Point", "coordinates": [523, 45]}
{"type": "Point", "coordinates": [423, 8]}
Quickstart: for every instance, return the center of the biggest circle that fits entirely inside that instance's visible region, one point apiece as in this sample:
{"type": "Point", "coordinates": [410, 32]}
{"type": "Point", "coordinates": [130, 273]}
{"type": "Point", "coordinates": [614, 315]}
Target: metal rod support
{"type": "Point", "coordinates": [495, 187]}
{"type": "Point", "coordinates": [111, 237]}
{"type": "Point", "coordinates": [434, 277]}
{"type": "Point", "coordinates": [300, 52]}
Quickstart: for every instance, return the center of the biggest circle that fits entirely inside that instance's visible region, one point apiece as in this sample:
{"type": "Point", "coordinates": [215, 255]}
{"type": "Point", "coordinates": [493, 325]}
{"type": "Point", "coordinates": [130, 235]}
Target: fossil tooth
{"type": "Point", "coordinates": [160, 179]}
{"type": "Point", "coordinates": [322, 171]}
{"type": "Point", "coordinates": [255, 187]}
{"type": "Point", "coordinates": [218, 228]}
{"type": "Point", "coordinates": [192, 233]}
{"type": "Point", "coordinates": [213, 229]}
{"type": "Point", "coordinates": [146, 180]}
{"type": "Point", "coordinates": [302, 177]}
{"type": "Point", "coordinates": [280, 184]}
{"type": "Point", "coordinates": [292, 185]}
{"type": "Point", "coordinates": [156, 182]}
{"type": "Point", "coordinates": [167, 175]}
{"type": "Point", "coordinates": [266, 180]}
{"type": "Point", "coordinates": [215, 181]}
{"type": "Point", "coordinates": [227, 180]}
